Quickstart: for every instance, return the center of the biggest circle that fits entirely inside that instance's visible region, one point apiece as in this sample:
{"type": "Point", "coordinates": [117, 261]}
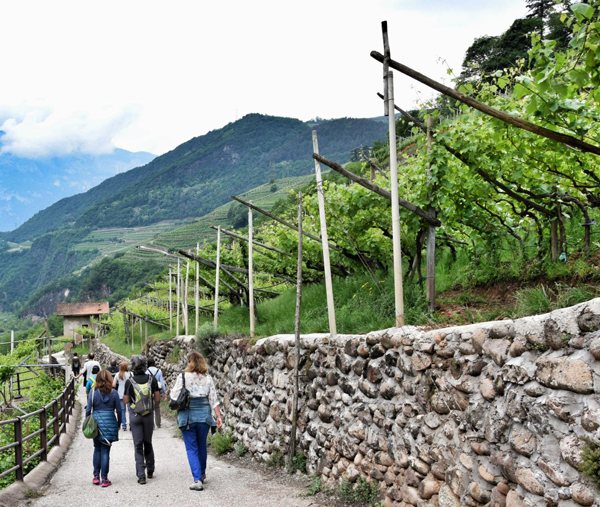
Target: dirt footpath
{"type": "Point", "coordinates": [227, 485]}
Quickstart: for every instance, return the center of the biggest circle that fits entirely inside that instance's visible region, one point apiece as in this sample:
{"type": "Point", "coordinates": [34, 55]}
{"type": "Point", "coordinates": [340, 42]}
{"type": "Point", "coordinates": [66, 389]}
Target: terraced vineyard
{"type": "Point", "coordinates": [199, 231]}
{"type": "Point", "coordinates": [120, 239]}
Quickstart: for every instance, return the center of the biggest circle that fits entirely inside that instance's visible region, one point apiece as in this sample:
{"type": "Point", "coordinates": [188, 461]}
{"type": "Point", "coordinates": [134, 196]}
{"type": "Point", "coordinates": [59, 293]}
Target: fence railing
{"type": "Point", "coordinates": [62, 408]}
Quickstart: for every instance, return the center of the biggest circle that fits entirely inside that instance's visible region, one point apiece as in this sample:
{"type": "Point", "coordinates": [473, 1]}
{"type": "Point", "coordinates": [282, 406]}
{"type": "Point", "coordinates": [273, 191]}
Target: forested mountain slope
{"type": "Point", "coordinates": [203, 173]}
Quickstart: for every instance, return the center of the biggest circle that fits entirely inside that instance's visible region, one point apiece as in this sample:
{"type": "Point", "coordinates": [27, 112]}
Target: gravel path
{"type": "Point", "coordinates": [226, 486]}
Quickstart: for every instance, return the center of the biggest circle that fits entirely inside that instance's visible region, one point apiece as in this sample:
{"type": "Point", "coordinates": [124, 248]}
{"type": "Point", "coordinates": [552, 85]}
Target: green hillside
{"type": "Point", "coordinates": [202, 174]}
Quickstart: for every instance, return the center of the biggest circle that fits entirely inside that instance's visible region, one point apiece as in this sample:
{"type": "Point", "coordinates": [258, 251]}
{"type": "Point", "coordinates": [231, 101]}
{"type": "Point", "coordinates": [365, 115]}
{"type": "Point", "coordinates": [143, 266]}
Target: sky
{"type": "Point", "coordinates": [86, 77]}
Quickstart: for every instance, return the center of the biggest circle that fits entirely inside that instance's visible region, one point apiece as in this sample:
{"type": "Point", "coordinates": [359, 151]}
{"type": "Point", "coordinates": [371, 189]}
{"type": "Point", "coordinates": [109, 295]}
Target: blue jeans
{"type": "Point", "coordinates": [124, 409]}
{"type": "Point", "coordinates": [101, 458]}
{"type": "Point", "coordinates": [195, 446]}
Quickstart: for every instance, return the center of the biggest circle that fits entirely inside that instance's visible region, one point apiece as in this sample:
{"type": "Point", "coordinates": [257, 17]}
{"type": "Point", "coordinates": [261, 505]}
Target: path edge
{"type": "Point", "coordinates": [40, 475]}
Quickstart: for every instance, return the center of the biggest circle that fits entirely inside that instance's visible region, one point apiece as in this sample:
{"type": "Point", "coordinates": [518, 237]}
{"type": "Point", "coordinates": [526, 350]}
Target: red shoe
{"type": "Point", "coordinates": [106, 483]}
{"type": "Point", "coordinates": [96, 480]}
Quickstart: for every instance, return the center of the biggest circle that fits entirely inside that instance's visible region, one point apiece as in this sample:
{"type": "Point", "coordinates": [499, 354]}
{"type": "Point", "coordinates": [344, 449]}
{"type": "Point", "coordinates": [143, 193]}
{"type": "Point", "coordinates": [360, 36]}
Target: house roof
{"type": "Point", "coordinates": [72, 309]}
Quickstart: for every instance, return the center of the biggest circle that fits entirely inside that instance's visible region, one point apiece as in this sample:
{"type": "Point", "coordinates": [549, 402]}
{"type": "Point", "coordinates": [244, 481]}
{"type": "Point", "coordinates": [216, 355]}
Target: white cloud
{"type": "Point", "coordinates": [42, 132]}
{"type": "Point", "coordinates": [194, 66]}
{"type": "Point", "coordinates": [57, 183]}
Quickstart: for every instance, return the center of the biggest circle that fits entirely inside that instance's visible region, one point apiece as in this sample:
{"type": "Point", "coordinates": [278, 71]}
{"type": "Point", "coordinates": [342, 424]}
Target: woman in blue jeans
{"type": "Point", "coordinates": [105, 406]}
{"type": "Point", "coordinates": [196, 421]}
{"type": "Point", "coordinates": [119, 384]}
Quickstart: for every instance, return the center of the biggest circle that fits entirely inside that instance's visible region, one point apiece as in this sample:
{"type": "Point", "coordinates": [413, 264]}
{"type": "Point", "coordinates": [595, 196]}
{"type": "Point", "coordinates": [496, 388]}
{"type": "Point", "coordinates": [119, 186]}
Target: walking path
{"type": "Point", "coordinates": [226, 486]}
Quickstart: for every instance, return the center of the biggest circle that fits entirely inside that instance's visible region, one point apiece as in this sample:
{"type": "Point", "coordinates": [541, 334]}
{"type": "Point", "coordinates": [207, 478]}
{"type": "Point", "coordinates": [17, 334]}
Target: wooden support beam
{"type": "Point", "coordinates": [378, 190]}
{"type": "Point", "coordinates": [257, 243]}
{"type": "Point", "coordinates": [488, 110]}
{"type": "Point", "coordinates": [281, 221]}
{"type": "Point", "coordinates": [124, 311]}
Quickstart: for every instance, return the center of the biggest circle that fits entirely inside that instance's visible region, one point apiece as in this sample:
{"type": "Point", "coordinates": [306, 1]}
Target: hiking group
{"type": "Point", "coordinates": [136, 388]}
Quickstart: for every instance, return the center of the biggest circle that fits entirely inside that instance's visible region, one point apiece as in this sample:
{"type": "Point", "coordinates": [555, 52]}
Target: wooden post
{"type": "Point", "coordinates": [554, 239]}
{"type": "Point", "coordinates": [132, 332]}
{"type": "Point", "coordinates": [292, 452]}
{"type": "Point", "coordinates": [48, 341]}
{"type": "Point", "coordinates": [197, 291]}
{"type": "Point", "coordinates": [170, 301]}
{"type": "Point", "coordinates": [12, 341]}
{"type": "Point", "coordinates": [396, 241]}
{"type": "Point", "coordinates": [216, 316]}
{"type": "Point", "coordinates": [325, 241]}
{"type": "Point", "coordinates": [146, 329]}
{"type": "Point", "coordinates": [177, 295]}
{"type": "Point", "coordinates": [430, 227]}
{"type": "Point", "coordinates": [250, 273]}
{"type": "Point", "coordinates": [185, 298]}
{"type": "Point", "coordinates": [126, 323]}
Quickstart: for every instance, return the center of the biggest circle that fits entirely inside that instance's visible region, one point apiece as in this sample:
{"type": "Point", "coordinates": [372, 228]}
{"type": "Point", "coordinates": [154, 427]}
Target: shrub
{"type": "Point", "coordinates": [174, 355]}
{"type": "Point", "coordinates": [316, 486]}
{"type": "Point", "coordinates": [299, 462]}
{"type": "Point", "coordinates": [206, 337]}
{"type": "Point", "coordinates": [591, 460]}
{"type": "Point", "coordinates": [276, 459]}
{"type": "Point", "coordinates": [221, 442]}
{"type": "Point", "coordinates": [240, 449]}
{"type": "Point", "coordinates": [362, 493]}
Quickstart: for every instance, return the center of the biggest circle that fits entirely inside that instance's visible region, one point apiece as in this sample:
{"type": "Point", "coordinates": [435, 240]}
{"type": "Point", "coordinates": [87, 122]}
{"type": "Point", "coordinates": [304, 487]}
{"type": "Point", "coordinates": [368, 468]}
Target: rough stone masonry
{"type": "Point", "coordinates": [486, 414]}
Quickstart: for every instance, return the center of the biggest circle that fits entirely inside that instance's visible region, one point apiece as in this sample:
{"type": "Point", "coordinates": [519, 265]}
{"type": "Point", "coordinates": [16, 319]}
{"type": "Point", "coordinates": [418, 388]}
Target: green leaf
{"type": "Point", "coordinates": [520, 91]}
{"type": "Point", "coordinates": [583, 10]}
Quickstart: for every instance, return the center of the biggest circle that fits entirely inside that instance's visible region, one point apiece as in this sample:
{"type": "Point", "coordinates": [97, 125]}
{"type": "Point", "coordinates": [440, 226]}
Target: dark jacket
{"type": "Point", "coordinates": [105, 408]}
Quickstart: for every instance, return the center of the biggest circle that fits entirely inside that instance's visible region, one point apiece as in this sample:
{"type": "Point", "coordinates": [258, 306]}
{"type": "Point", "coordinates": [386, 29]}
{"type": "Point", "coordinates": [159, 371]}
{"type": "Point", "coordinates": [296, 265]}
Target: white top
{"type": "Point", "coordinates": [121, 383]}
{"type": "Point", "coordinates": [88, 366]}
{"type": "Point", "coordinates": [198, 386]}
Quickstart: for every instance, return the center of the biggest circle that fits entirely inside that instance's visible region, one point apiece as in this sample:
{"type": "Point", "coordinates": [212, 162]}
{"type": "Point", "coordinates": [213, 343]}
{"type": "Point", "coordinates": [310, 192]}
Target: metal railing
{"type": "Point", "coordinates": [62, 408]}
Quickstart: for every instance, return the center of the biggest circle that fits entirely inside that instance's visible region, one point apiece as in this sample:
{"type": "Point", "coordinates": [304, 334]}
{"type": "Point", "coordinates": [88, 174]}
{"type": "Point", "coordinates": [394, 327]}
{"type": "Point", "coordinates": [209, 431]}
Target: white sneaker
{"type": "Point", "coordinates": [197, 486]}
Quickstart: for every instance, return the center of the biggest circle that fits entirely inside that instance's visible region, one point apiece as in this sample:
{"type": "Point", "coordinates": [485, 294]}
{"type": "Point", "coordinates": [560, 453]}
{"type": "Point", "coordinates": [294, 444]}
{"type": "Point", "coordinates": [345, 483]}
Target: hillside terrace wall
{"type": "Point", "coordinates": [485, 414]}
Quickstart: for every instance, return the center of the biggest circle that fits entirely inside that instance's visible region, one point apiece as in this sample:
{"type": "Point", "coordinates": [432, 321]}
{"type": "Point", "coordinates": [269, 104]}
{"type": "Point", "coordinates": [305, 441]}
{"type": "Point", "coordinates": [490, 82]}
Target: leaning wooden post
{"type": "Point", "coordinates": [197, 288]}
{"type": "Point", "coordinates": [292, 452]}
{"type": "Point", "coordinates": [186, 316]}
{"type": "Point", "coordinates": [170, 301]}
{"type": "Point", "coordinates": [398, 290]}
{"type": "Point", "coordinates": [325, 241]}
{"type": "Point", "coordinates": [250, 273]}
{"type": "Point", "coordinates": [430, 227]}
{"type": "Point", "coordinates": [126, 324]}
{"type": "Point", "coordinates": [216, 317]}
{"type": "Point", "coordinates": [178, 294]}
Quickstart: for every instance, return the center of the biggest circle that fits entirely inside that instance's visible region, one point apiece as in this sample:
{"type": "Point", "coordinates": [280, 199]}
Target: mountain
{"type": "Point", "coordinates": [188, 182]}
{"type": "Point", "coordinates": [202, 174]}
{"type": "Point", "coordinates": [30, 185]}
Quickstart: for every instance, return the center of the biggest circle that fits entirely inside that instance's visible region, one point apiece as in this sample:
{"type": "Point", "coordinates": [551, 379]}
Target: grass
{"type": "Point", "coordinates": [316, 486]}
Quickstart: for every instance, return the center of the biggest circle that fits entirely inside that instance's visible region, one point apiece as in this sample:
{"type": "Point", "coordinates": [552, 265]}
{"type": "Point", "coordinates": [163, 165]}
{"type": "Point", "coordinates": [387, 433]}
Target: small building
{"type": "Point", "coordinates": [80, 314]}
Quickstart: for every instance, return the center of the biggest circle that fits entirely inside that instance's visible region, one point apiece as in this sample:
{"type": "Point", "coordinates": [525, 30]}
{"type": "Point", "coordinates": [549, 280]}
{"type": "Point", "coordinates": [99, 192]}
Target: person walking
{"type": "Point", "coordinates": [76, 364]}
{"type": "Point", "coordinates": [88, 366]}
{"type": "Point", "coordinates": [196, 420]}
{"type": "Point", "coordinates": [103, 403]}
{"type": "Point", "coordinates": [113, 368]}
{"type": "Point", "coordinates": [92, 379]}
{"type": "Point", "coordinates": [119, 385]}
{"type": "Point", "coordinates": [141, 390]}
{"type": "Point", "coordinates": [158, 375]}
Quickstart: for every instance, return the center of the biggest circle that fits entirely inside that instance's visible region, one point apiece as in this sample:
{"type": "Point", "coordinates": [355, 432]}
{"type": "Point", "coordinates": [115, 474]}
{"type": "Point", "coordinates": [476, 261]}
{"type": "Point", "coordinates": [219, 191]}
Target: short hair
{"type": "Point", "coordinates": [95, 369]}
{"type": "Point", "coordinates": [91, 355]}
{"type": "Point", "coordinates": [104, 382]}
{"type": "Point", "coordinates": [151, 362]}
{"type": "Point", "coordinates": [113, 361]}
{"type": "Point", "coordinates": [197, 363]}
{"type": "Point", "coordinates": [139, 364]}
{"type": "Point", "coordinates": [74, 353]}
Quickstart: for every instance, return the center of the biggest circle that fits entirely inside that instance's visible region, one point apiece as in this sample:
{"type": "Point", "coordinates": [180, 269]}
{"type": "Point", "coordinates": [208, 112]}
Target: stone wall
{"type": "Point", "coordinates": [486, 414]}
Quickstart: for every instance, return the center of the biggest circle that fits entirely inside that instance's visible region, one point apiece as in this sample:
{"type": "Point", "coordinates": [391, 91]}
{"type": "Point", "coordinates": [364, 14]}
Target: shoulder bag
{"type": "Point", "coordinates": [183, 400]}
{"type": "Point", "coordinates": [90, 426]}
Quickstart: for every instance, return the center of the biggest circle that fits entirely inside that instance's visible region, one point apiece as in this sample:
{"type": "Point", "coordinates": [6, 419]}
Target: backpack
{"type": "Point", "coordinates": [143, 403]}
